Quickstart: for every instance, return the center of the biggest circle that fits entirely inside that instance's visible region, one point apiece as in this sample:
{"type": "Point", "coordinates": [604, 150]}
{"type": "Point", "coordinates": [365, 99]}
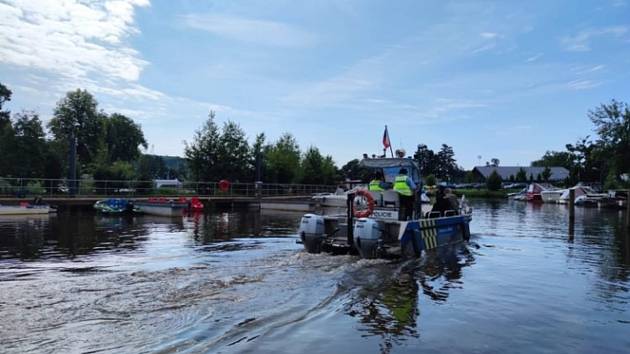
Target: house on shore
{"type": "Point", "coordinates": [509, 173]}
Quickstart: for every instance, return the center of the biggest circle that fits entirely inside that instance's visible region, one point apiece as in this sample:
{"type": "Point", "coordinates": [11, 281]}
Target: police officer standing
{"type": "Point", "coordinates": [406, 188]}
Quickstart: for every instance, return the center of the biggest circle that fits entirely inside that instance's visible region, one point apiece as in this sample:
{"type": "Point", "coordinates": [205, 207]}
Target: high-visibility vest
{"type": "Point", "coordinates": [375, 186]}
{"type": "Point", "coordinates": [401, 186]}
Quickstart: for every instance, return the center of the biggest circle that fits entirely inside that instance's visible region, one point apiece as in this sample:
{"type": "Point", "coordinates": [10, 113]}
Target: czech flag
{"type": "Point", "coordinates": [386, 142]}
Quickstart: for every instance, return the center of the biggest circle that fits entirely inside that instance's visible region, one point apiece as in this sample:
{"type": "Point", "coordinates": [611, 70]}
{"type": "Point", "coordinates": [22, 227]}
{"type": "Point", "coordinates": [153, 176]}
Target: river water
{"type": "Point", "coordinates": [236, 281]}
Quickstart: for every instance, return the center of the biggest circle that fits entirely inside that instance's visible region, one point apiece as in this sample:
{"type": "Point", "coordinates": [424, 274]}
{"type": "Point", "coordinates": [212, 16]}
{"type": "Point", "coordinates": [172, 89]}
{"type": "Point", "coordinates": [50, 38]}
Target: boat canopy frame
{"type": "Point", "coordinates": [394, 164]}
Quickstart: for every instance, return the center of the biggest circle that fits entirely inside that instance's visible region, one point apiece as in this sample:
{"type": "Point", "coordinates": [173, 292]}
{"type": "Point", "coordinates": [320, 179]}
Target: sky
{"type": "Point", "coordinates": [507, 80]}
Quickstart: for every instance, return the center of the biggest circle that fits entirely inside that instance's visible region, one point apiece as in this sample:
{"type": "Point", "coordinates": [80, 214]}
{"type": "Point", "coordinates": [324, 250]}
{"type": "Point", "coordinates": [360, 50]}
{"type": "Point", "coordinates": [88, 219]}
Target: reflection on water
{"type": "Point", "coordinates": [236, 281]}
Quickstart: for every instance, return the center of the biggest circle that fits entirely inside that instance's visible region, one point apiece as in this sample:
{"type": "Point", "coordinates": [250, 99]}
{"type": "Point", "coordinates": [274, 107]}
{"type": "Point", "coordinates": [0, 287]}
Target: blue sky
{"type": "Point", "coordinates": [508, 79]}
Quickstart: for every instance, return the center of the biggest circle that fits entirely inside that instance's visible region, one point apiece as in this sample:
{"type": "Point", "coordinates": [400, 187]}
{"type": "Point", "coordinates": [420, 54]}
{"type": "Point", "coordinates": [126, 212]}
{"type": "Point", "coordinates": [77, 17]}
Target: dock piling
{"type": "Point", "coordinates": [571, 213]}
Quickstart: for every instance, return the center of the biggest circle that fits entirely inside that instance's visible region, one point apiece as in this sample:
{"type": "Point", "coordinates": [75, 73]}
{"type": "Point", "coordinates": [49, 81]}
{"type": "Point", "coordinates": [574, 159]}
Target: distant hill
{"type": "Point", "coordinates": [173, 162]}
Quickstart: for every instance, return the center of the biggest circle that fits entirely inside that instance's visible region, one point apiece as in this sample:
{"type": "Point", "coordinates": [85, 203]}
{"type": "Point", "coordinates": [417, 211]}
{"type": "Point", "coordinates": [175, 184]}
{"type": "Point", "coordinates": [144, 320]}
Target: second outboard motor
{"type": "Point", "coordinates": [311, 232]}
{"type": "Point", "coordinates": [367, 237]}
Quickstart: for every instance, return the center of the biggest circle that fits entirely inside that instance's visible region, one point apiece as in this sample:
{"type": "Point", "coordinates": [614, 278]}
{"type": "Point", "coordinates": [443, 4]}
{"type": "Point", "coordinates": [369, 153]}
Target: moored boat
{"type": "Point", "coordinates": [115, 206]}
{"type": "Point", "coordinates": [162, 207]}
{"type": "Point", "coordinates": [374, 227]}
{"type": "Point", "coordinates": [26, 209]}
{"type": "Point", "coordinates": [551, 195]}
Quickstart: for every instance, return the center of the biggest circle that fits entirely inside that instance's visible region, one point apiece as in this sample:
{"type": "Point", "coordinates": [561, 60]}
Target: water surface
{"type": "Point", "coordinates": [238, 282]}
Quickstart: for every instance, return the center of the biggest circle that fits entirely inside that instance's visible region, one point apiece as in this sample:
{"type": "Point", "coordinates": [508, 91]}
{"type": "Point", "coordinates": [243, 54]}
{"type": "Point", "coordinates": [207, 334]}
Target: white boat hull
{"type": "Point", "coordinates": [161, 209]}
{"type": "Point", "coordinates": [551, 196]}
{"type": "Point", "coordinates": [18, 210]}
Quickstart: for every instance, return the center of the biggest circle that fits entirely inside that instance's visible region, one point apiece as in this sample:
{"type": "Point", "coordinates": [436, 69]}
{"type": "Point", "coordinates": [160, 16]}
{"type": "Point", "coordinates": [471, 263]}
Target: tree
{"type": "Point", "coordinates": [512, 178]}
{"type": "Point", "coordinates": [6, 134]}
{"type": "Point", "coordinates": [612, 123]}
{"type": "Point", "coordinates": [521, 175]}
{"type": "Point", "coordinates": [317, 169]}
{"type": "Point", "coordinates": [78, 114]}
{"type": "Point", "coordinates": [233, 153]}
{"type": "Point", "coordinates": [427, 160]}
{"type": "Point", "coordinates": [430, 180]}
{"type": "Point", "coordinates": [447, 166]}
{"type": "Point", "coordinates": [283, 160]}
{"type": "Point", "coordinates": [354, 171]}
{"type": "Point", "coordinates": [202, 153]}
{"type": "Point", "coordinates": [494, 162]}
{"type": "Point", "coordinates": [29, 145]}
{"type": "Point", "coordinates": [258, 161]}
{"type": "Point", "coordinates": [494, 181]}
{"type": "Point", "coordinates": [531, 177]}
{"type": "Point", "coordinates": [546, 174]}
{"type": "Point", "coordinates": [556, 158]}
{"type": "Point", "coordinates": [123, 138]}
{"type": "Point", "coordinates": [149, 167]}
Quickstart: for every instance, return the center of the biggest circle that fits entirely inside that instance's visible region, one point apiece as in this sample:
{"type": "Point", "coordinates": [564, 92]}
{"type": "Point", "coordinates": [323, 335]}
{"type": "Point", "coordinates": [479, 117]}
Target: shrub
{"type": "Point", "coordinates": [430, 180]}
{"type": "Point", "coordinates": [494, 181]}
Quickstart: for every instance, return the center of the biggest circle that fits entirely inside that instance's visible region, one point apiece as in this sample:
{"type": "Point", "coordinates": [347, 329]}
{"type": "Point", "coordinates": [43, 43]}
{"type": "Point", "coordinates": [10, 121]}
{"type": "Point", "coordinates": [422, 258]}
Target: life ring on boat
{"type": "Point", "coordinates": [370, 204]}
{"type": "Point", "coordinates": [224, 185]}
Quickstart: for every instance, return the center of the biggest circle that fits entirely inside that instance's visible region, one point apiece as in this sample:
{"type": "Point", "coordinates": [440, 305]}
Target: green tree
{"type": "Point", "coordinates": [494, 162]}
{"type": "Point", "coordinates": [283, 160]}
{"type": "Point", "coordinates": [512, 178]}
{"type": "Point", "coordinates": [77, 113]}
{"type": "Point", "coordinates": [430, 180]}
{"type": "Point", "coordinates": [202, 153]}
{"type": "Point", "coordinates": [7, 134]}
{"type": "Point", "coordinates": [546, 174]}
{"type": "Point", "coordinates": [494, 181]}
{"type": "Point", "coordinates": [30, 145]}
{"type": "Point", "coordinates": [531, 177]}
{"type": "Point", "coordinates": [317, 169]}
{"type": "Point", "coordinates": [521, 175]}
{"type": "Point", "coordinates": [426, 159]}
{"type": "Point", "coordinates": [612, 123]}
{"type": "Point", "coordinates": [258, 160]}
{"type": "Point", "coordinates": [149, 167]}
{"type": "Point", "coordinates": [123, 138]}
{"type": "Point", "coordinates": [447, 166]}
{"type": "Point", "coordinates": [233, 154]}
{"type": "Point", "coordinates": [354, 171]}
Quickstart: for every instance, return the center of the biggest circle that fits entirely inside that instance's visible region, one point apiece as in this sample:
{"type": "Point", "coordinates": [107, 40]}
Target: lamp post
{"type": "Point", "coordinates": [72, 160]}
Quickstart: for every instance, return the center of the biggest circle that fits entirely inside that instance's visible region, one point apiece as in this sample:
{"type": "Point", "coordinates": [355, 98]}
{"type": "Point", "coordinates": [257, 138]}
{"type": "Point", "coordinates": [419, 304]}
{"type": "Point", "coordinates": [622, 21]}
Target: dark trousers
{"type": "Point", "coordinates": [406, 208]}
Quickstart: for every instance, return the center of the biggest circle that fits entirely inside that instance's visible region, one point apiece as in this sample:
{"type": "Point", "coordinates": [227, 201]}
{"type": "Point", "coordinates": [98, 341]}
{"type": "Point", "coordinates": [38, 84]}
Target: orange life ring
{"type": "Point", "coordinates": [370, 204]}
{"type": "Point", "coordinates": [224, 185]}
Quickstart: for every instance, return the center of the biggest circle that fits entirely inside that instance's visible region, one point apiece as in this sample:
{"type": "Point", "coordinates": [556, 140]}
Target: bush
{"type": "Point", "coordinates": [430, 180]}
{"type": "Point", "coordinates": [494, 181]}
{"type": "Point", "coordinates": [35, 187]}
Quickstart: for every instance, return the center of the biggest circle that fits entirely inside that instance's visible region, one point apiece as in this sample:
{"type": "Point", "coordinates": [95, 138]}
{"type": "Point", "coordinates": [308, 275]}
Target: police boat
{"type": "Point", "coordinates": [376, 223]}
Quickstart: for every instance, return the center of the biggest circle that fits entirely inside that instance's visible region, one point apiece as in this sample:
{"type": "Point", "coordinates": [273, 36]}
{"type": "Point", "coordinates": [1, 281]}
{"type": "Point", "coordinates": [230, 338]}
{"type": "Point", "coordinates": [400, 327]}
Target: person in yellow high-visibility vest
{"type": "Point", "coordinates": [406, 189]}
{"type": "Point", "coordinates": [377, 184]}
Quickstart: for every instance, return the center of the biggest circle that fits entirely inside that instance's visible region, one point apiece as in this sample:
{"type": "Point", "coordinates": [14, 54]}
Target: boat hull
{"type": "Point", "coordinates": [169, 209]}
{"type": "Point", "coordinates": [18, 210]}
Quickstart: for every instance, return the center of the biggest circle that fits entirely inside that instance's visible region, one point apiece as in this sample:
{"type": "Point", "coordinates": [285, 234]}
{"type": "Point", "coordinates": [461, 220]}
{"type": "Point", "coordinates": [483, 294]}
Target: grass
{"type": "Point", "coordinates": [484, 193]}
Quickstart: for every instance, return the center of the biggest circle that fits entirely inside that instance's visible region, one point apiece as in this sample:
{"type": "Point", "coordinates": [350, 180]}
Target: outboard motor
{"type": "Point", "coordinates": [311, 232]}
{"type": "Point", "coordinates": [367, 237]}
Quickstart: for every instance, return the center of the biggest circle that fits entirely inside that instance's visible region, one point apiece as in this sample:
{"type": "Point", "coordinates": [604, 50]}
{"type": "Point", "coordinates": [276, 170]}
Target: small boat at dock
{"type": "Point", "coordinates": [162, 207]}
{"type": "Point", "coordinates": [26, 209]}
{"type": "Point", "coordinates": [115, 206]}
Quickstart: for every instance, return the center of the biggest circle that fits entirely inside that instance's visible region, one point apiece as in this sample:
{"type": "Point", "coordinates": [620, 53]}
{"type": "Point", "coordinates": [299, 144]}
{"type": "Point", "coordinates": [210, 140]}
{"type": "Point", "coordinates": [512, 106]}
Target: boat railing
{"type": "Point", "coordinates": [60, 188]}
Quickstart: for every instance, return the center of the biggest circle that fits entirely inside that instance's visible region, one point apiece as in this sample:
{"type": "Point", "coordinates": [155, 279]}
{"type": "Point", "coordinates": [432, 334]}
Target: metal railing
{"type": "Point", "coordinates": [61, 188]}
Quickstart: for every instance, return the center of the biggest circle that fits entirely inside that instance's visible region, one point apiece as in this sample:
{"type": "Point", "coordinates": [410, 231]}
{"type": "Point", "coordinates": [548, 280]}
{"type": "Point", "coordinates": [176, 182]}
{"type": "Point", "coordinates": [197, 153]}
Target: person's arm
{"type": "Point", "coordinates": [411, 184]}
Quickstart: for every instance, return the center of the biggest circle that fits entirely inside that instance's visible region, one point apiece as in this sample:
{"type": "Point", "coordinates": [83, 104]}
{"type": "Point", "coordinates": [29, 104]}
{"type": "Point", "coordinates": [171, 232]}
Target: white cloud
{"type": "Point", "coordinates": [582, 84]}
{"type": "Point", "coordinates": [581, 42]}
{"type": "Point", "coordinates": [81, 44]}
{"type": "Point", "coordinates": [252, 31]}
{"type": "Point", "coordinates": [489, 35]}
{"type": "Point", "coordinates": [534, 58]}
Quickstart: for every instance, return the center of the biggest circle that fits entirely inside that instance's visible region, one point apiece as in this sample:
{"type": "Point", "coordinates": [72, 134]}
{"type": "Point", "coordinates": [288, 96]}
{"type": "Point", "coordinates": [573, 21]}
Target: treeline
{"type": "Point", "coordinates": [107, 145]}
{"type": "Point", "coordinates": [224, 153]}
{"type": "Point", "coordinates": [605, 159]}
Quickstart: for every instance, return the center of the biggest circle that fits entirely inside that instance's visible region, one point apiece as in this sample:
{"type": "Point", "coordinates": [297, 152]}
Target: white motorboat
{"type": "Point", "coordinates": [584, 195]}
{"type": "Point", "coordinates": [161, 207]}
{"type": "Point", "coordinates": [552, 195]}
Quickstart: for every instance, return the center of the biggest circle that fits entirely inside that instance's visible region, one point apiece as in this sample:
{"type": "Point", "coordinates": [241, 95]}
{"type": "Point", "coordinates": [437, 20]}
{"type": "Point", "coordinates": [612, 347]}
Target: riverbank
{"type": "Point", "coordinates": [484, 193]}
